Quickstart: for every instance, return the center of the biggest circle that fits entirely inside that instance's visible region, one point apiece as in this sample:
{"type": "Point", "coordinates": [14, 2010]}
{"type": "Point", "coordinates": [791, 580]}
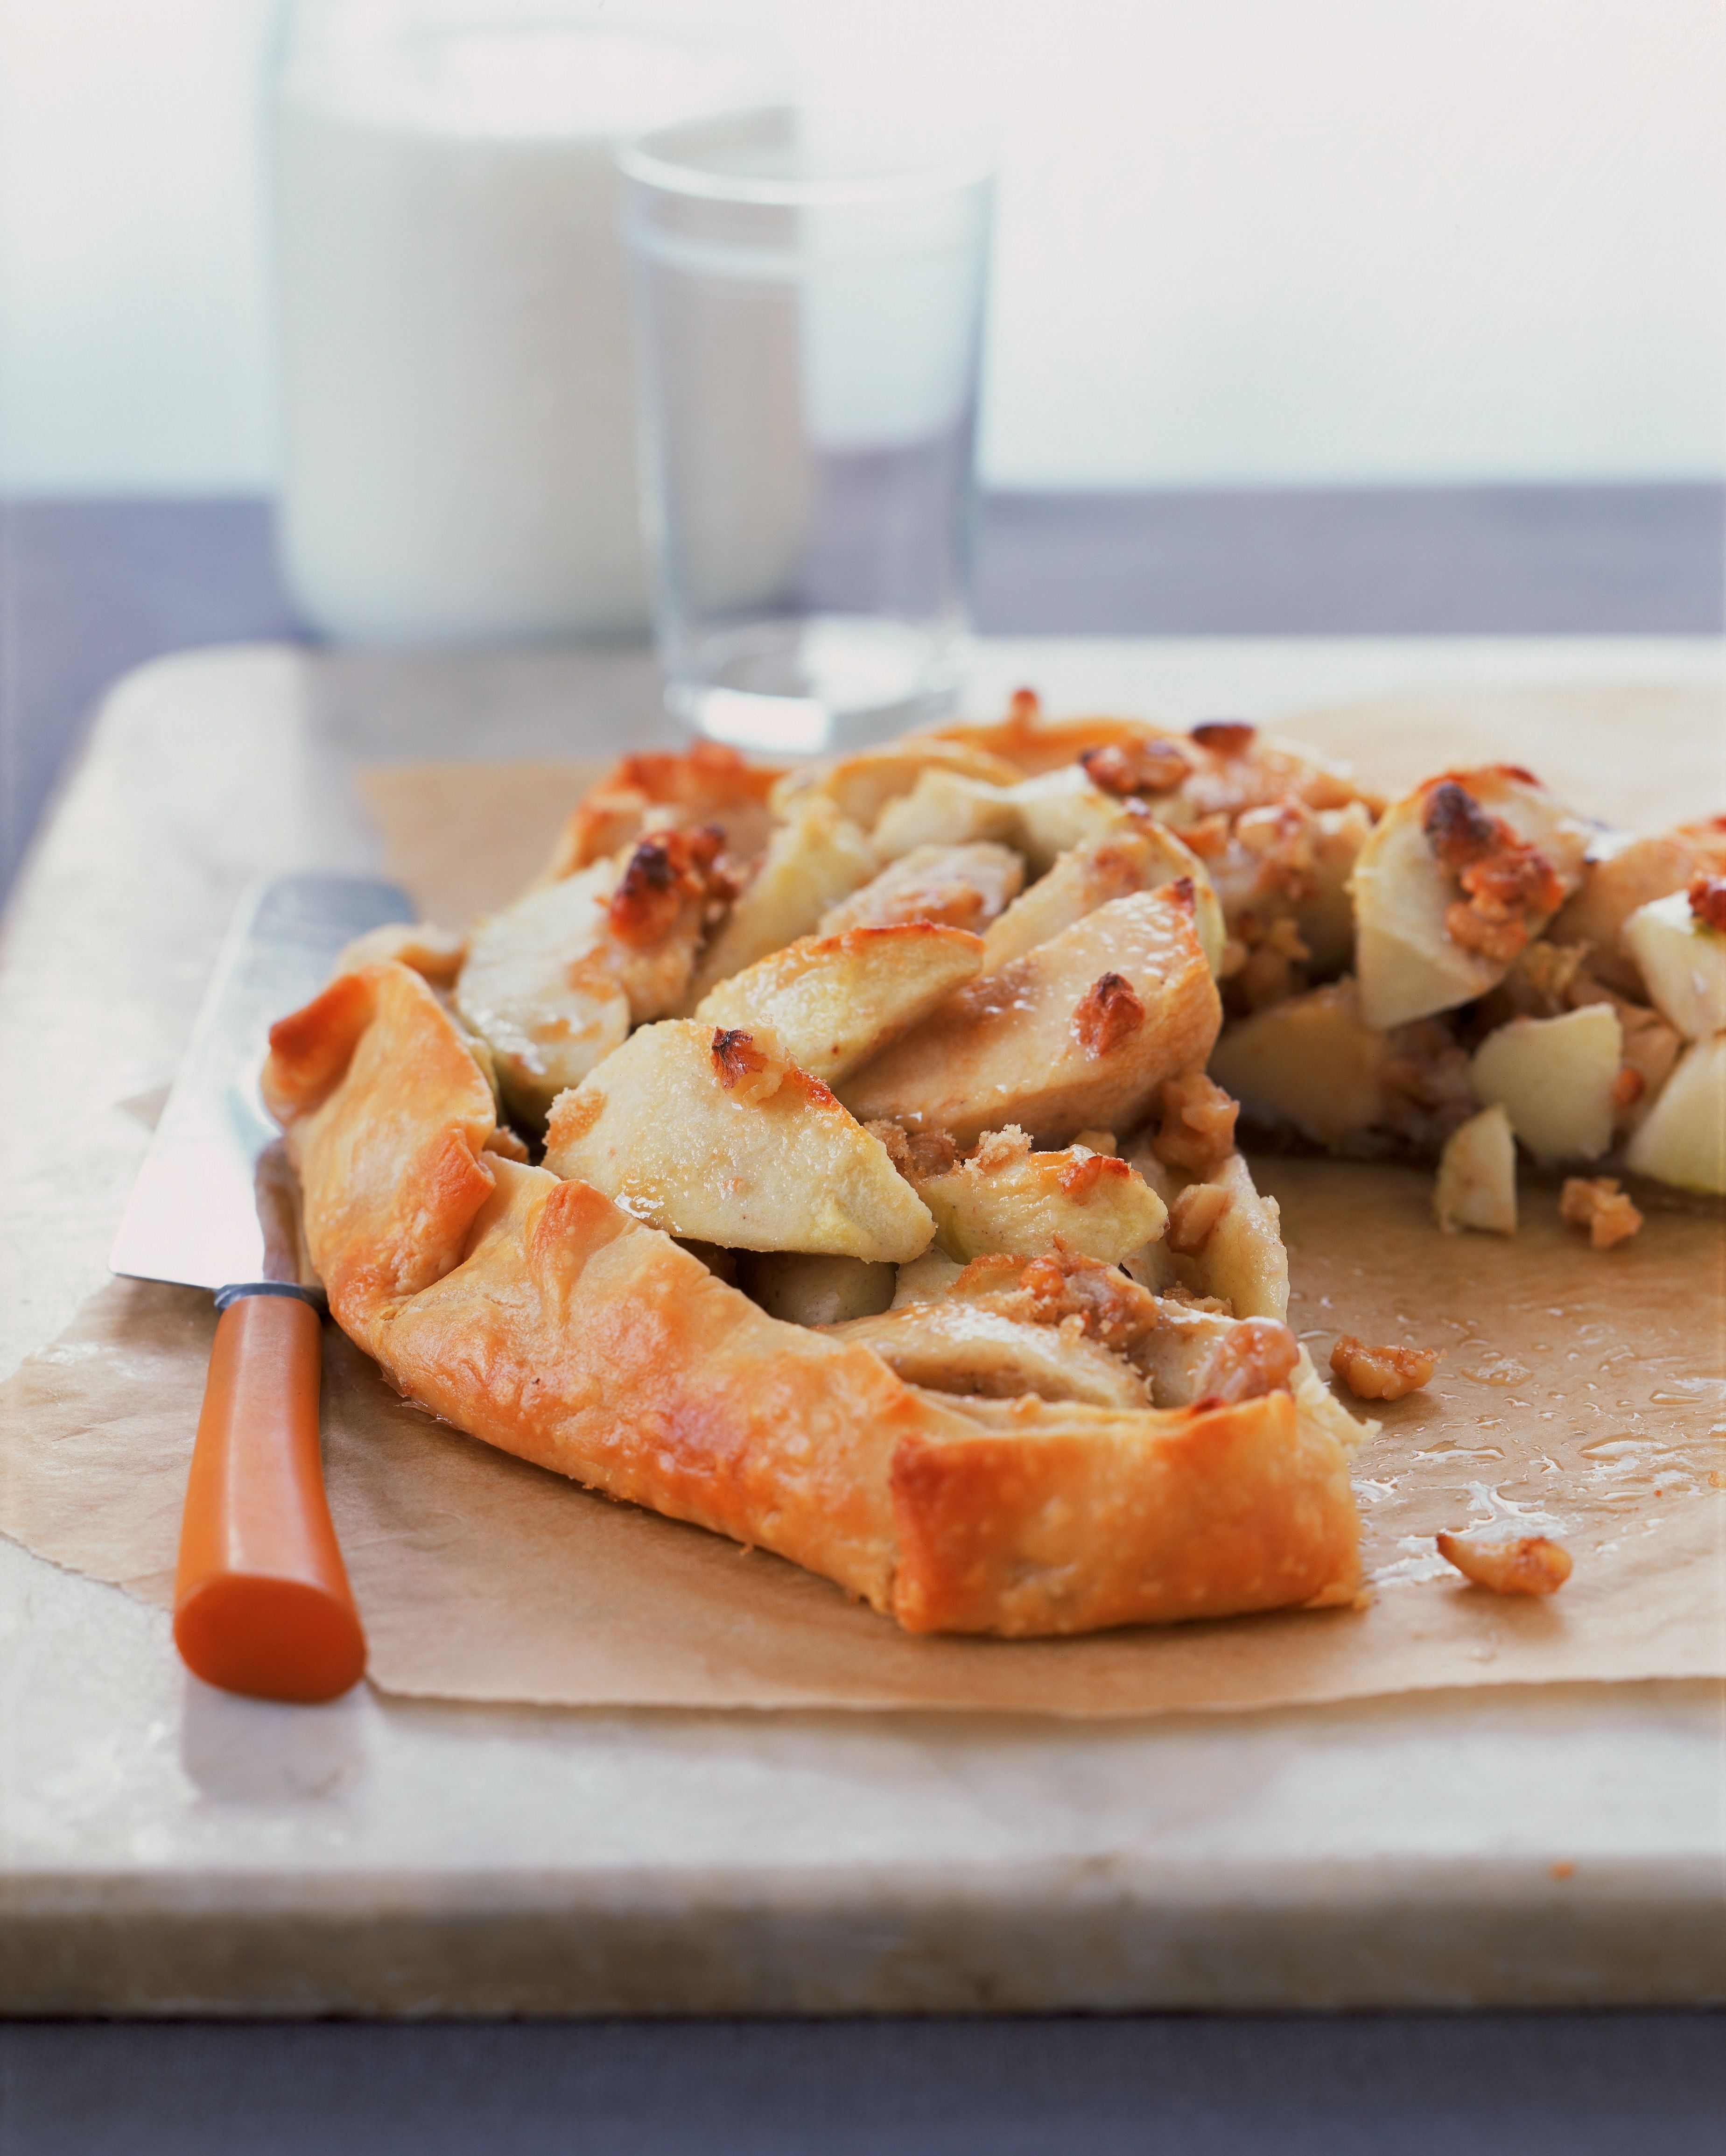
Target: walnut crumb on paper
{"type": "Point", "coordinates": [1382, 1373]}
{"type": "Point", "coordinates": [1599, 1206]}
{"type": "Point", "coordinates": [1531, 1564]}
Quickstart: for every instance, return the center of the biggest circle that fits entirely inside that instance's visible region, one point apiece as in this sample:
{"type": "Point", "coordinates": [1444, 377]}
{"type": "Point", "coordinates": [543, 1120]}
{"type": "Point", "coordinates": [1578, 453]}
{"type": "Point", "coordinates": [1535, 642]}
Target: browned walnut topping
{"type": "Point", "coordinates": [1254, 1357]}
{"type": "Point", "coordinates": [1457, 828]}
{"type": "Point", "coordinates": [1198, 1131]}
{"type": "Point", "coordinates": [1599, 1206]}
{"type": "Point", "coordinates": [736, 1057]}
{"type": "Point", "coordinates": [667, 871]}
{"type": "Point", "coordinates": [1064, 1284]}
{"type": "Point", "coordinates": [1193, 1217]}
{"type": "Point", "coordinates": [1107, 1013]}
{"type": "Point", "coordinates": [1146, 767]}
{"type": "Point", "coordinates": [1080, 1177]}
{"type": "Point", "coordinates": [915, 1153]}
{"type": "Point", "coordinates": [1225, 736]}
{"type": "Point", "coordinates": [1504, 878]}
{"type": "Point", "coordinates": [1531, 1564]}
{"type": "Point", "coordinates": [1707, 900]}
{"type": "Point", "coordinates": [1381, 1373]}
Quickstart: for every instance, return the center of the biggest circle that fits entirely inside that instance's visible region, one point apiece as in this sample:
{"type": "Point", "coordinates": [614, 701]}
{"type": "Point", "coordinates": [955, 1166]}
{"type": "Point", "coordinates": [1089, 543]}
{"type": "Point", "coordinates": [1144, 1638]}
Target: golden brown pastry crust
{"type": "Point", "coordinates": [1058, 1520]}
{"type": "Point", "coordinates": [540, 1318]}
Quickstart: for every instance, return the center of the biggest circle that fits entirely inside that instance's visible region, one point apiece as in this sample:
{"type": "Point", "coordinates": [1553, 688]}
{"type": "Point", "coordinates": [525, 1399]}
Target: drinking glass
{"type": "Point", "coordinates": [808, 313]}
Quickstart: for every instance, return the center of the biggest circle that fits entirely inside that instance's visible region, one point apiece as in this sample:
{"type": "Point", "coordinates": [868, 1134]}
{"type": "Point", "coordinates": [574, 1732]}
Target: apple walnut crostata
{"type": "Point", "coordinates": [844, 1159]}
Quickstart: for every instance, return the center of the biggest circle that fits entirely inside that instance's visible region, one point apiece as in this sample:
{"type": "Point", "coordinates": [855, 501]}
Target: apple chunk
{"type": "Point", "coordinates": [1554, 1078]}
{"type": "Point", "coordinates": [714, 1134]}
{"type": "Point", "coordinates": [1309, 1062]}
{"type": "Point", "coordinates": [1683, 962]}
{"type": "Point", "coordinates": [1682, 1138]}
{"type": "Point", "coordinates": [1477, 1176]}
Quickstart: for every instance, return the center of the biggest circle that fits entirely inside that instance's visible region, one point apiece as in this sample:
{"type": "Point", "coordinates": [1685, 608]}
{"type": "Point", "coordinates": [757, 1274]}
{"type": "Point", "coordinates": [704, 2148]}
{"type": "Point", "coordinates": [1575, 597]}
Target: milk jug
{"type": "Point", "coordinates": [459, 440]}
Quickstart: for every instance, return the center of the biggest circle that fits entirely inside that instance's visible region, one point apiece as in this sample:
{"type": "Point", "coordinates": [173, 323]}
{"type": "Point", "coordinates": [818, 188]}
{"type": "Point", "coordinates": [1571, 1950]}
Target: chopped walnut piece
{"type": "Point", "coordinates": [1599, 1206]}
{"type": "Point", "coordinates": [915, 1154]}
{"type": "Point", "coordinates": [1707, 900]}
{"type": "Point", "coordinates": [1381, 1373]}
{"type": "Point", "coordinates": [1209, 837]}
{"type": "Point", "coordinates": [1499, 941]}
{"type": "Point", "coordinates": [751, 1065]}
{"type": "Point", "coordinates": [1086, 1170]}
{"type": "Point", "coordinates": [1504, 879]}
{"type": "Point", "coordinates": [1144, 766]}
{"type": "Point", "coordinates": [668, 871]}
{"type": "Point", "coordinates": [1225, 736]}
{"type": "Point", "coordinates": [1457, 828]}
{"type": "Point", "coordinates": [1063, 1284]}
{"type": "Point", "coordinates": [1192, 1217]}
{"type": "Point", "coordinates": [1108, 1013]}
{"type": "Point", "coordinates": [1531, 1564]}
{"type": "Point", "coordinates": [1628, 1087]}
{"type": "Point", "coordinates": [892, 1135]}
{"type": "Point", "coordinates": [1198, 1130]}
{"type": "Point", "coordinates": [998, 1149]}
{"type": "Point", "coordinates": [1254, 1357]}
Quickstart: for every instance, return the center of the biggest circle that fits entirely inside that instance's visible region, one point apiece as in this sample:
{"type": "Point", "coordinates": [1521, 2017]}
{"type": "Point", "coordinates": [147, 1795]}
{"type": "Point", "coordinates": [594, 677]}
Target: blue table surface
{"type": "Point", "coordinates": [90, 588]}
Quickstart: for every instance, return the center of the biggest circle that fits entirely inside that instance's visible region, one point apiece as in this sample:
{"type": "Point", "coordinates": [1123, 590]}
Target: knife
{"type": "Point", "coordinates": [262, 1604]}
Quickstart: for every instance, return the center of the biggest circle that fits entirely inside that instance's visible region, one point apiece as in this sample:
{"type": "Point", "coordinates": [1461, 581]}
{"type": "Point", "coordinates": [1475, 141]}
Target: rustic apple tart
{"type": "Point", "coordinates": [844, 1159]}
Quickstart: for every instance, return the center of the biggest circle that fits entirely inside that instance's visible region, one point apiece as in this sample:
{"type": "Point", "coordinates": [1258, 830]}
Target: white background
{"type": "Point", "coordinates": [1241, 240]}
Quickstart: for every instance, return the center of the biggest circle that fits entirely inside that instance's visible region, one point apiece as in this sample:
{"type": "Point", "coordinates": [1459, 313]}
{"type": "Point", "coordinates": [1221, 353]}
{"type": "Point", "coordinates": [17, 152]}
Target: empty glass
{"type": "Point", "coordinates": [808, 321]}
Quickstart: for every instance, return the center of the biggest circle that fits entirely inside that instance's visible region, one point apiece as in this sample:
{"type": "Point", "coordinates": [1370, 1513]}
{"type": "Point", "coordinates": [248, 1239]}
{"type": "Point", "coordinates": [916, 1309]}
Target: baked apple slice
{"type": "Point", "coordinates": [959, 1346]}
{"type": "Point", "coordinates": [811, 861]}
{"type": "Point", "coordinates": [1079, 1033]}
{"type": "Point", "coordinates": [955, 886]}
{"type": "Point", "coordinates": [535, 988]}
{"type": "Point", "coordinates": [1130, 853]}
{"type": "Point", "coordinates": [716, 1135]}
{"type": "Point", "coordinates": [1455, 880]}
{"type": "Point", "coordinates": [1007, 1198]}
{"type": "Point", "coordinates": [834, 1001]}
{"type": "Point", "coordinates": [861, 786]}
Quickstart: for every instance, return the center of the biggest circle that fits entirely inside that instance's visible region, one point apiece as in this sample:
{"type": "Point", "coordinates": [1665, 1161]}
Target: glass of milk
{"type": "Point", "coordinates": [808, 295]}
{"type": "Point", "coordinates": [456, 385]}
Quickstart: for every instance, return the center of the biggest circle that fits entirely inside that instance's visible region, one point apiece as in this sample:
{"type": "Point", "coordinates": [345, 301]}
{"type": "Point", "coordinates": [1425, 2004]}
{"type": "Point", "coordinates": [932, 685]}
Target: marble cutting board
{"type": "Point", "coordinates": [169, 1849]}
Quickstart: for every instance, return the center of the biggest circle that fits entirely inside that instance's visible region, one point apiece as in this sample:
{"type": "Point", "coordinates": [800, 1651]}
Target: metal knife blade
{"type": "Point", "coordinates": [214, 1204]}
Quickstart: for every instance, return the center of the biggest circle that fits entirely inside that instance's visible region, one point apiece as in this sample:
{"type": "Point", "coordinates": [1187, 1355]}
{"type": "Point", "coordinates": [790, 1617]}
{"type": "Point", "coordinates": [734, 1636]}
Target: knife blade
{"type": "Point", "coordinates": [262, 1604]}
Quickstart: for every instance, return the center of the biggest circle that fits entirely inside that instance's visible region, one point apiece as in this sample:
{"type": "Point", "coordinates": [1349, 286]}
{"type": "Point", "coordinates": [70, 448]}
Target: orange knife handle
{"type": "Point", "coordinates": [261, 1603]}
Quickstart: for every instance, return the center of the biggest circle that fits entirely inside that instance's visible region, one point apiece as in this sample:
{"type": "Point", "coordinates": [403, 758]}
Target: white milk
{"type": "Point", "coordinates": [458, 382]}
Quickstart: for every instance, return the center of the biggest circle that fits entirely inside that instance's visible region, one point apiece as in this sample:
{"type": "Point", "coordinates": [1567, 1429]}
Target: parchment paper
{"type": "Point", "coordinates": [1580, 1394]}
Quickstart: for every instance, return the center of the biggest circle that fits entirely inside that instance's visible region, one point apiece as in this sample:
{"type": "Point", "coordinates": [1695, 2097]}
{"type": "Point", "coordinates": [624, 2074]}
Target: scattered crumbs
{"type": "Point", "coordinates": [1554, 1313]}
{"type": "Point", "coordinates": [1325, 1302]}
{"type": "Point", "coordinates": [1717, 1479]}
{"type": "Point", "coordinates": [1563, 1869]}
